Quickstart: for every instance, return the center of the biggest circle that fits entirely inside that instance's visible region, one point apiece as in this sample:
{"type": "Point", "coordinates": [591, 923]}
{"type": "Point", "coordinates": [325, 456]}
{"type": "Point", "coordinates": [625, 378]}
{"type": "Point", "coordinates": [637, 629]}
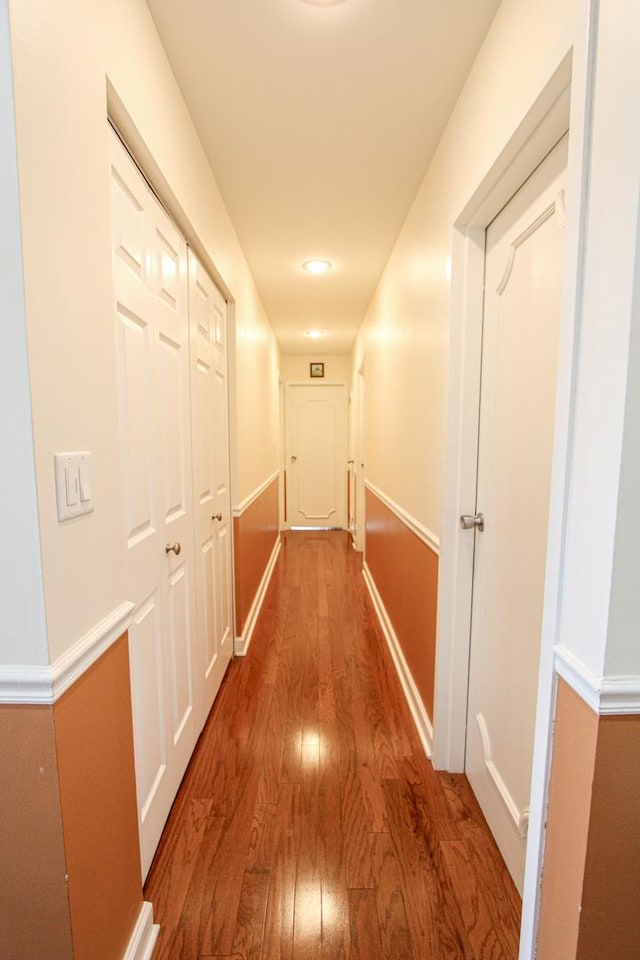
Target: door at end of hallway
{"type": "Point", "coordinates": [316, 455]}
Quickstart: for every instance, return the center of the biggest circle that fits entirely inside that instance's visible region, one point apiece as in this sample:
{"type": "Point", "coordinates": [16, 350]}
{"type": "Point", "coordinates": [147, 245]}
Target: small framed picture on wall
{"type": "Point", "coordinates": [316, 369]}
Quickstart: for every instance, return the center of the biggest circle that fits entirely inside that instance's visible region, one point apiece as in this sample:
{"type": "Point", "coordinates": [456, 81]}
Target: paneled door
{"type": "Point", "coordinates": [316, 455]}
{"type": "Point", "coordinates": [359, 452]}
{"type": "Point", "coordinates": [152, 336]}
{"type": "Point", "coordinates": [523, 274]}
{"type": "Point", "coordinates": [211, 493]}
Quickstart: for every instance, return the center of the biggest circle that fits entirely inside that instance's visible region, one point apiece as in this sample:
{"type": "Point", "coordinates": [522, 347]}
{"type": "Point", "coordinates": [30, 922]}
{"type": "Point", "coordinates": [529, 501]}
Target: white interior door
{"type": "Point", "coordinates": [150, 285]}
{"type": "Point", "coordinates": [351, 469]}
{"type": "Point", "coordinates": [316, 455]}
{"type": "Point", "coordinates": [212, 498]}
{"type": "Point", "coordinates": [360, 518]}
{"type": "Point", "coordinates": [523, 270]}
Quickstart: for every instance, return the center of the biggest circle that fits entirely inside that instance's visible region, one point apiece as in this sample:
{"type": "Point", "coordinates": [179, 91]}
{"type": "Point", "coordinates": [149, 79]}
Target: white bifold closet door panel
{"type": "Point", "coordinates": [211, 493]}
{"type": "Point", "coordinates": [152, 334]}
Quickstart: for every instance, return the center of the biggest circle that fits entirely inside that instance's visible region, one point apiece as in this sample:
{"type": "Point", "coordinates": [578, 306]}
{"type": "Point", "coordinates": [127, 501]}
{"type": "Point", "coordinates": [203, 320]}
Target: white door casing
{"type": "Point", "coordinates": [523, 279]}
{"type": "Point", "coordinates": [211, 488]}
{"type": "Point", "coordinates": [150, 286]}
{"type": "Point", "coordinates": [316, 454]}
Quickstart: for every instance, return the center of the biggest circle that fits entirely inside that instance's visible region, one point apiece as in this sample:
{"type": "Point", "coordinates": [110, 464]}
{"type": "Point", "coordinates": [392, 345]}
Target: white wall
{"type": "Point", "coordinates": [297, 367]}
{"type": "Point", "coordinates": [23, 634]}
{"type": "Point", "coordinates": [404, 338]}
{"type": "Point", "coordinates": [601, 599]}
{"type": "Point", "coordinates": [64, 54]}
{"type": "Point", "coordinates": [623, 648]}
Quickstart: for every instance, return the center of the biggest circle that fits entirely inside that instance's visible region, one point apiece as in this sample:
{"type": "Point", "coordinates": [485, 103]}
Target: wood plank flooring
{"type": "Point", "coordinates": [310, 825]}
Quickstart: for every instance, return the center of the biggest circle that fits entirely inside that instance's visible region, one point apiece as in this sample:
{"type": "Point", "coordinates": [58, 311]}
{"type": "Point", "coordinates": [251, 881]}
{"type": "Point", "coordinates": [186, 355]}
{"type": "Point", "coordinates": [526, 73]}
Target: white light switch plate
{"type": "Point", "coordinates": [73, 484]}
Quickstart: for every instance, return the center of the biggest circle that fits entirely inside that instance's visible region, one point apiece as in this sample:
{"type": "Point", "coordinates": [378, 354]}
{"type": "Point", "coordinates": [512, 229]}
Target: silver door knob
{"type": "Point", "coordinates": [217, 516]}
{"type": "Point", "coordinates": [172, 548]}
{"type": "Point", "coordinates": [471, 521]}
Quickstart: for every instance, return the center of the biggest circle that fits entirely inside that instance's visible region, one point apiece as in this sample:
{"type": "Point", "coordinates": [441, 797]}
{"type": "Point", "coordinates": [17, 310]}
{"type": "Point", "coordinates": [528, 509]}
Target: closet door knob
{"type": "Point", "coordinates": [172, 548]}
{"type": "Point", "coordinates": [217, 516]}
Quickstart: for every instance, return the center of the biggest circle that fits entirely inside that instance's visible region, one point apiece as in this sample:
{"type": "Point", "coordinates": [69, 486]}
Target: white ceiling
{"type": "Point", "coordinates": [319, 123]}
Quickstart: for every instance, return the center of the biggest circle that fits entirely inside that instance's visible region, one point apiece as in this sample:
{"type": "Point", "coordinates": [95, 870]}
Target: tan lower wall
{"type": "Point", "coordinates": [34, 907]}
{"type": "Point", "coordinates": [610, 917]}
{"type": "Point", "coordinates": [254, 536]}
{"type": "Point", "coordinates": [574, 748]}
{"type": "Point", "coordinates": [405, 571]}
{"type": "Point", "coordinates": [590, 895]}
{"type": "Point", "coordinates": [94, 741]}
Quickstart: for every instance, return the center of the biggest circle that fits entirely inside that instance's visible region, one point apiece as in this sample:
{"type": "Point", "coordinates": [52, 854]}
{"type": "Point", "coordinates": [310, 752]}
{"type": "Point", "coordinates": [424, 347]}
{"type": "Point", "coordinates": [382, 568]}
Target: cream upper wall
{"type": "Point", "coordinates": [404, 337]}
{"type": "Point", "coordinates": [256, 414]}
{"type": "Point", "coordinates": [23, 634]}
{"type": "Point", "coordinates": [63, 53]}
{"type": "Point", "coordinates": [297, 367]}
{"type": "Point", "coordinates": [601, 600]}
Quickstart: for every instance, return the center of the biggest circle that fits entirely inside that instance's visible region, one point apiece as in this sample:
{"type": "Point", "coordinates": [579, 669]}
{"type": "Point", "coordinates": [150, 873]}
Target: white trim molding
{"type": "Point", "coordinates": [74, 662]}
{"type": "Point", "coordinates": [519, 817]}
{"type": "Point", "coordinates": [246, 503]}
{"type": "Point", "coordinates": [607, 696]}
{"type": "Point", "coordinates": [25, 684]}
{"type": "Point", "coordinates": [241, 643]}
{"type": "Point", "coordinates": [144, 936]}
{"type": "Point", "coordinates": [426, 535]}
{"type": "Point", "coordinates": [413, 698]}
{"type": "Point", "coordinates": [46, 684]}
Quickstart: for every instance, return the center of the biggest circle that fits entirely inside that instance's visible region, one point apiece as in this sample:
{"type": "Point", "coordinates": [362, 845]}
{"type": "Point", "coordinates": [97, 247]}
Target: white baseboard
{"type": "Point", "coordinates": [413, 698]}
{"type": "Point", "coordinates": [144, 936]}
{"type": "Point", "coordinates": [241, 644]}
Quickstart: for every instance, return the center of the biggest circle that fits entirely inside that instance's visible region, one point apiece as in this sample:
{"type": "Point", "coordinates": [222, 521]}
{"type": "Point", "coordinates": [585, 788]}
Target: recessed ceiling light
{"type": "Point", "coordinates": [317, 266]}
{"type": "Point", "coordinates": [315, 334]}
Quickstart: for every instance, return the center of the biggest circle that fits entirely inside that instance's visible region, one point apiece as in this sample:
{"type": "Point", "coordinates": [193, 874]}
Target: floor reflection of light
{"type": "Point", "coordinates": [316, 908]}
{"type": "Point", "coordinates": [308, 909]}
{"type": "Point", "coordinates": [311, 748]}
{"type": "Point", "coordinates": [329, 908]}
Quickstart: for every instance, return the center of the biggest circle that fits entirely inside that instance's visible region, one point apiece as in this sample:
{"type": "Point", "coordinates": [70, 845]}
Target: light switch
{"type": "Point", "coordinates": [85, 482]}
{"type": "Point", "coordinates": [73, 484]}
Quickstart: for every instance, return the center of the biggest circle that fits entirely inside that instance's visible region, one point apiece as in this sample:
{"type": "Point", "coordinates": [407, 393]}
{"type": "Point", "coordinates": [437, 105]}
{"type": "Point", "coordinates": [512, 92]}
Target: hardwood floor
{"type": "Point", "coordinates": [310, 823]}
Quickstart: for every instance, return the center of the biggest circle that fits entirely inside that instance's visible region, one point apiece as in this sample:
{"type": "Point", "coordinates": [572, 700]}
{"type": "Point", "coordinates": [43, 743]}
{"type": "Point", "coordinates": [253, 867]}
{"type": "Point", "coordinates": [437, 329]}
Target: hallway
{"type": "Point", "coordinates": [309, 823]}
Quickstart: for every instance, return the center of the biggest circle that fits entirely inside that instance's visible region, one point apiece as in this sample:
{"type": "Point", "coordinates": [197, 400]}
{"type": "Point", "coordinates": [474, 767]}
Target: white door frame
{"type": "Point", "coordinates": [548, 118]}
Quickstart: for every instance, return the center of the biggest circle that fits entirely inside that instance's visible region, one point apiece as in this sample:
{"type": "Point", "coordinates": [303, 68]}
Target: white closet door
{"type": "Point", "coordinates": [208, 319]}
{"type": "Point", "coordinates": [150, 285]}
